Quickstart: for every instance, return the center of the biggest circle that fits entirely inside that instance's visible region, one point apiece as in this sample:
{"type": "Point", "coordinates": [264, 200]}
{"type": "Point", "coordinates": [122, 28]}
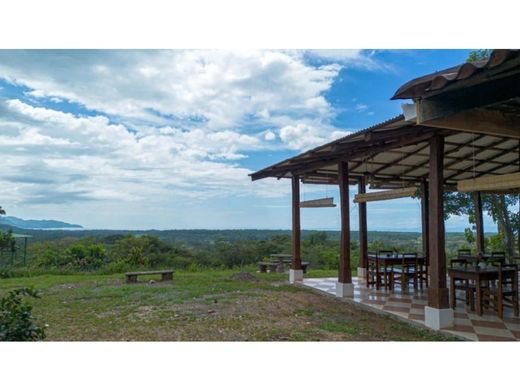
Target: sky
{"type": "Point", "coordinates": [166, 139]}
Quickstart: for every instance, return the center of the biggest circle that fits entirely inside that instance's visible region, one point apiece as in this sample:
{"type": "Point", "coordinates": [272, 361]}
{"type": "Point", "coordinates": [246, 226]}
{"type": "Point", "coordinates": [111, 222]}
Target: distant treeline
{"type": "Point", "coordinates": [205, 236]}
{"type": "Point", "coordinates": [118, 251]}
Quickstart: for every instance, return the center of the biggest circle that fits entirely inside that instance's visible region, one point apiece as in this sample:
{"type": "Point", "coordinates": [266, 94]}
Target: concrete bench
{"type": "Point", "coordinates": [131, 277]}
{"type": "Point", "coordinates": [265, 265]}
{"type": "Point", "coordinates": [272, 266]}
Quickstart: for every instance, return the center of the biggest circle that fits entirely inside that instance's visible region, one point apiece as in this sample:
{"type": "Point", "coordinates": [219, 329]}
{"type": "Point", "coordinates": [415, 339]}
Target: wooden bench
{"type": "Point", "coordinates": [131, 277]}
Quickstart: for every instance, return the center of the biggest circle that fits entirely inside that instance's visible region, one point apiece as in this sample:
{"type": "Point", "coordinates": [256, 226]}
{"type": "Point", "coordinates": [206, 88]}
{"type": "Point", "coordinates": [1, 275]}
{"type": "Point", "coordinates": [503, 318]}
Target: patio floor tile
{"type": "Point", "coordinates": [468, 324]}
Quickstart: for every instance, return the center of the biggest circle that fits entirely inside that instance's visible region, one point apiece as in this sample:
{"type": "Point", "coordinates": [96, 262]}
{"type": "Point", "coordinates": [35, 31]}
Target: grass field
{"type": "Point", "coordinates": [207, 305]}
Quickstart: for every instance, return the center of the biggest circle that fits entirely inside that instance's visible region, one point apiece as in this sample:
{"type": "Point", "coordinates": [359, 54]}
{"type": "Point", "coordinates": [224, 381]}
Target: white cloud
{"type": "Point", "coordinates": [155, 127]}
{"type": "Point", "coordinates": [304, 136]}
{"type": "Point", "coordinates": [353, 58]}
{"type": "Point", "coordinates": [269, 136]}
{"type": "Point", "coordinates": [360, 107]}
{"type": "Point", "coordinates": [67, 158]}
{"type": "Point", "coordinates": [221, 87]}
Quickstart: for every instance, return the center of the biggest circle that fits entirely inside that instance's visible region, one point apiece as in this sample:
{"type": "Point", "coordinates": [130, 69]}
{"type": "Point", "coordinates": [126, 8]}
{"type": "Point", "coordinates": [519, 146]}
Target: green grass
{"type": "Point", "coordinates": [206, 305]}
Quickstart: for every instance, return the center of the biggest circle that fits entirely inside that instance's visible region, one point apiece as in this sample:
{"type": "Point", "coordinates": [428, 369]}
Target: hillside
{"type": "Point", "coordinates": [37, 224]}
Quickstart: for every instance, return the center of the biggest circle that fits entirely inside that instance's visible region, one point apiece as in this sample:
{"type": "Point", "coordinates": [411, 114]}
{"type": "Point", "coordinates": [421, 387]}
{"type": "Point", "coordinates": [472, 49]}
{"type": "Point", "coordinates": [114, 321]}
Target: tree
{"type": "Point", "coordinates": [478, 55]}
{"type": "Point", "coordinates": [2, 211]}
{"type": "Point", "coordinates": [497, 206]}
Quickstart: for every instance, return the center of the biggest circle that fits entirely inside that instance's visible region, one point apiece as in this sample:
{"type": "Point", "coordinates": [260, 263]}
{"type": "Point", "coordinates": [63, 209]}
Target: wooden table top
{"type": "Point", "coordinates": [477, 270]}
{"type": "Point", "coordinates": [281, 255]}
{"type": "Point", "coordinates": [394, 257]}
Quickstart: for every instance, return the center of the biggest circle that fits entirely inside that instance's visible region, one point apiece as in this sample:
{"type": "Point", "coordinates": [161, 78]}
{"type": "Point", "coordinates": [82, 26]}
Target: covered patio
{"type": "Point", "coordinates": [462, 129]}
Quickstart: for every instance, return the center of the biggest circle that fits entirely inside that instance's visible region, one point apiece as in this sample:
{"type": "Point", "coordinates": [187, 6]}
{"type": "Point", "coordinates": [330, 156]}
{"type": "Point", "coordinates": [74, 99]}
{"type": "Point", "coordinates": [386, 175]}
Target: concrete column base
{"type": "Point", "coordinates": [361, 272]}
{"type": "Point", "coordinates": [344, 290]}
{"type": "Point", "coordinates": [295, 275]}
{"type": "Point", "coordinates": [438, 318]}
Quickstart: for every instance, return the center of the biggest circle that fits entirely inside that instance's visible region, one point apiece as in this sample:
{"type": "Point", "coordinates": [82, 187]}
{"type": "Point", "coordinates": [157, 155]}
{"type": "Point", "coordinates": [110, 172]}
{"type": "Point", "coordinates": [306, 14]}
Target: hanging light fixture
{"type": "Point", "coordinates": [509, 182]}
{"type": "Point", "coordinates": [322, 202]}
{"type": "Point", "coordinates": [402, 192]}
{"type": "Point", "coordinates": [492, 183]}
{"type": "Point", "coordinates": [385, 195]}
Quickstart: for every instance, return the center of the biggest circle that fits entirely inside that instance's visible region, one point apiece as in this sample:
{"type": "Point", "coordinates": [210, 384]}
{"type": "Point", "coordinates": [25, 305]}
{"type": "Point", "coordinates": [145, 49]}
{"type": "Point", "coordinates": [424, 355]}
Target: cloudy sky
{"type": "Point", "coordinates": [166, 139]}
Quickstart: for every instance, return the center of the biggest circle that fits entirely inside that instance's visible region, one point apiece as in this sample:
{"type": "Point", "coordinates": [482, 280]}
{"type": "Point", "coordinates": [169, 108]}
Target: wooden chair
{"type": "Point", "coordinates": [461, 253]}
{"type": "Point", "coordinates": [504, 292]}
{"type": "Point", "coordinates": [385, 269]}
{"type": "Point", "coordinates": [373, 268]}
{"type": "Point", "coordinates": [407, 271]}
{"type": "Point", "coordinates": [497, 258]}
{"type": "Point", "coordinates": [377, 271]}
{"type": "Point", "coordinates": [422, 272]}
{"type": "Point", "coordinates": [464, 285]}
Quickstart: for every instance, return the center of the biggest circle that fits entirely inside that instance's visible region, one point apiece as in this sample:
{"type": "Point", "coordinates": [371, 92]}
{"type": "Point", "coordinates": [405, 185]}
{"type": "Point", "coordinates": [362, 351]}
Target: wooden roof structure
{"type": "Point", "coordinates": [482, 137]}
{"type": "Point", "coordinates": [463, 123]}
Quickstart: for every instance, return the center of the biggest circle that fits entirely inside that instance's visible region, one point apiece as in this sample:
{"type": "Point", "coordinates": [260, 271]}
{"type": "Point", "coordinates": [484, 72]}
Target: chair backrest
{"type": "Point", "coordinates": [497, 258]}
{"type": "Point", "coordinates": [409, 258]}
{"type": "Point", "coordinates": [508, 274]}
{"type": "Point", "coordinates": [464, 253]}
{"type": "Point", "coordinates": [385, 253]}
{"type": "Point", "coordinates": [459, 262]}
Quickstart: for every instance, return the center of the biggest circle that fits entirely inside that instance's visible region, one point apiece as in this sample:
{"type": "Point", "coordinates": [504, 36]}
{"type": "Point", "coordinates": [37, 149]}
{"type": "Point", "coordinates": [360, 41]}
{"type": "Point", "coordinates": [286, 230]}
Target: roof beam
{"type": "Point", "coordinates": [478, 120]}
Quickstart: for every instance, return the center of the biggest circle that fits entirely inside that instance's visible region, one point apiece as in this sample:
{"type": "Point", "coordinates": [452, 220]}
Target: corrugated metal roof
{"type": "Point", "coordinates": [397, 120]}
{"type": "Point", "coordinates": [437, 81]}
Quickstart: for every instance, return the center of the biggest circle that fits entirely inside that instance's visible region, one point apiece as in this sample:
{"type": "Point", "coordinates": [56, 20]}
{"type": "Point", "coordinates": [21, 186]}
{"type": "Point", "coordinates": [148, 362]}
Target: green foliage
{"type": "Point", "coordinates": [16, 320]}
{"type": "Point", "coordinates": [78, 255]}
{"type": "Point", "coordinates": [495, 243]}
{"type": "Point", "coordinates": [7, 241]}
{"type": "Point", "coordinates": [470, 237]}
{"type": "Point", "coordinates": [6, 273]}
{"type": "Point", "coordinates": [2, 211]}
{"type": "Point", "coordinates": [118, 253]}
{"type": "Point", "coordinates": [478, 55]}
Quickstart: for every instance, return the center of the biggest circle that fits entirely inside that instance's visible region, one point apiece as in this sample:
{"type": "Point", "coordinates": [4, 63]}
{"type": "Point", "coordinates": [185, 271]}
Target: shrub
{"type": "Point", "coordinates": [6, 274]}
{"type": "Point", "coordinates": [16, 320]}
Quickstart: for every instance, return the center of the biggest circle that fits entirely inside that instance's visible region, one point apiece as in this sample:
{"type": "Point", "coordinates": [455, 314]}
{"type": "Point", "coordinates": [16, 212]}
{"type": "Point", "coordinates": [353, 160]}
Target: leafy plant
{"type": "Point", "coordinates": [16, 320]}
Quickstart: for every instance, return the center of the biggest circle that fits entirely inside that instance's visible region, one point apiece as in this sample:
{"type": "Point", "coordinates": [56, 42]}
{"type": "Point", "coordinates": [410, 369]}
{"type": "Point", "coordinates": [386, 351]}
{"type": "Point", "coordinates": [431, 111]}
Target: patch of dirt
{"type": "Point", "coordinates": [244, 277]}
{"type": "Point", "coordinates": [67, 286]}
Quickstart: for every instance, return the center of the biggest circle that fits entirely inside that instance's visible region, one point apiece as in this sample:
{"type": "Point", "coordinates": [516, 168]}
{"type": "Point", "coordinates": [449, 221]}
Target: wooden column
{"type": "Point", "coordinates": [296, 227]}
{"type": "Point", "coordinates": [438, 294]}
{"type": "Point", "coordinates": [424, 217]}
{"type": "Point", "coordinates": [363, 234]}
{"type": "Point", "coordinates": [345, 274]}
{"type": "Point", "coordinates": [479, 223]}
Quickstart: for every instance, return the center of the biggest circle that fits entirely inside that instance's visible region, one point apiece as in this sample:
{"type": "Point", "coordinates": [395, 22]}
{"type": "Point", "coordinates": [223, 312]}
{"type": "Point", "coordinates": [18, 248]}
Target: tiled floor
{"type": "Point", "coordinates": [468, 324]}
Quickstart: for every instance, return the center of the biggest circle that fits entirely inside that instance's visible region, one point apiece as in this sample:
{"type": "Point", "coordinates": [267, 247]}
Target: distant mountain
{"type": "Point", "coordinates": [37, 224]}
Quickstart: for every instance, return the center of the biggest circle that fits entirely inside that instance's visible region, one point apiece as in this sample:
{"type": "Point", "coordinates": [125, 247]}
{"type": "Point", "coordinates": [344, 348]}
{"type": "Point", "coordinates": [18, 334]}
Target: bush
{"type": "Point", "coordinates": [16, 320]}
{"type": "Point", "coordinates": [6, 274]}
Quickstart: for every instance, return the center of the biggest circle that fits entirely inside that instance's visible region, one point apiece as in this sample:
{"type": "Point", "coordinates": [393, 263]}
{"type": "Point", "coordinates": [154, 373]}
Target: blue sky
{"type": "Point", "coordinates": [166, 139]}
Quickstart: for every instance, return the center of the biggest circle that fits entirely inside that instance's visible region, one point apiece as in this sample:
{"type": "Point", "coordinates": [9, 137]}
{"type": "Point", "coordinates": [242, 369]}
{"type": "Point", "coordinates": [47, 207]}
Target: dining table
{"type": "Point", "coordinates": [392, 259]}
{"type": "Point", "coordinates": [476, 273]}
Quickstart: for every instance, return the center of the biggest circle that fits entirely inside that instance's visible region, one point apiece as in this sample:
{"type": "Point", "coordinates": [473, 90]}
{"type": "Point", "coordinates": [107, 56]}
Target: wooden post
{"type": "Point", "coordinates": [345, 274]}
{"type": "Point", "coordinates": [296, 233]}
{"type": "Point", "coordinates": [363, 234]}
{"type": "Point", "coordinates": [25, 252]}
{"type": "Point", "coordinates": [438, 293]}
{"type": "Point", "coordinates": [424, 217]}
{"type": "Point", "coordinates": [479, 223]}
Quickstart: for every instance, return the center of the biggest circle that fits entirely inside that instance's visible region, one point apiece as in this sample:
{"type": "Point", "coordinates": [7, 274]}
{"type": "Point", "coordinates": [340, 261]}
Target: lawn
{"type": "Point", "coordinates": [206, 305]}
